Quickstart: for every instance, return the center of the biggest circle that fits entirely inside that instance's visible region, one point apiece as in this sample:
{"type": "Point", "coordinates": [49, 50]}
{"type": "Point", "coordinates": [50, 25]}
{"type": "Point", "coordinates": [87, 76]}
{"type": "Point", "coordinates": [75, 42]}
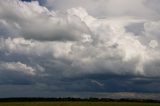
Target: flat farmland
{"type": "Point", "coordinates": [77, 104]}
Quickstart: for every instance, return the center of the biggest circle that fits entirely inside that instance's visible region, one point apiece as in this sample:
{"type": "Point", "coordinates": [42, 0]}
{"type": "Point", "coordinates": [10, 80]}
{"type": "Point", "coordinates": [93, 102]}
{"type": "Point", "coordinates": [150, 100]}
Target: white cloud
{"type": "Point", "coordinates": [17, 67]}
{"type": "Point", "coordinates": [153, 43]}
{"type": "Point", "coordinates": [75, 40]}
{"type": "Point", "coordinates": [31, 21]}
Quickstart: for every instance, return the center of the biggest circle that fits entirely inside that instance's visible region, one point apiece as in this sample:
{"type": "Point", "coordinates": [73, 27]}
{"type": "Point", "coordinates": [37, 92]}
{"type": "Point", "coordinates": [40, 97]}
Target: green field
{"type": "Point", "coordinates": [77, 104]}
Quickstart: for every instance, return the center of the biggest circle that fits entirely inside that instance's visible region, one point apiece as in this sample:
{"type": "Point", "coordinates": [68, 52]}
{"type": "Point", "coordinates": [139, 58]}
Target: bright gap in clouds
{"type": "Point", "coordinates": [82, 46]}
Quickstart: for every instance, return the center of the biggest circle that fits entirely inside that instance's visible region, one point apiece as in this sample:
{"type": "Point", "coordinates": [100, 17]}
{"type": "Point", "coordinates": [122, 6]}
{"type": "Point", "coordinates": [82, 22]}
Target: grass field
{"type": "Point", "coordinates": [76, 104]}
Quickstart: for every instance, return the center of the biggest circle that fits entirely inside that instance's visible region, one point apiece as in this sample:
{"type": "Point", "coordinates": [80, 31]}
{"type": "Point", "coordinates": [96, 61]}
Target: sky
{"type": "Point", "coordinates": [80, 48]}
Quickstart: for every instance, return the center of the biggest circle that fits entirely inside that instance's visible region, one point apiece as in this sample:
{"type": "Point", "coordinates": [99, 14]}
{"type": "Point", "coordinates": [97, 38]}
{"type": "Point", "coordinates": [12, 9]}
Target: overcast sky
{"type": "Point", "coordinates": [80, 48]}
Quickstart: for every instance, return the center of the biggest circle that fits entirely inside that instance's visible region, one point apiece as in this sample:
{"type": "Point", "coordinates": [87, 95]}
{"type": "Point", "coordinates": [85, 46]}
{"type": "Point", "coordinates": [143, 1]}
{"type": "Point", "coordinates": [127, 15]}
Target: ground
{"type": "Point", "coordinates": [77, 104]}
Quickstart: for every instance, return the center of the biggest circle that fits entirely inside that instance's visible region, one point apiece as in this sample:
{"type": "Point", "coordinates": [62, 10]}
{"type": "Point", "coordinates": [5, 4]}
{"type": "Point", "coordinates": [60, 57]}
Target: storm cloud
{"type": "Point", "coordinates": [83, 46]}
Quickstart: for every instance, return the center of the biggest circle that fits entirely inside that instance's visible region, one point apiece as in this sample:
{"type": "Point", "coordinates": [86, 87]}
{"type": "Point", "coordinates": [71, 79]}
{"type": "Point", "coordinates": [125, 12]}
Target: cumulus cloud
{"type": "Point", "coordinates": [105, 44]}
{"type": "Point", "coordinates": [24, 19]}
{"type": "Point", "coordinates": [52, 44]}
{"type": "Point", "coordinates": [19, 67]}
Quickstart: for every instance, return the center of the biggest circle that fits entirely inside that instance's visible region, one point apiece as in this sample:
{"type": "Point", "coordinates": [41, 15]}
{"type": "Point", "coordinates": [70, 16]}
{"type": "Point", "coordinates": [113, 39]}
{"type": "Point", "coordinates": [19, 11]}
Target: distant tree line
{"type": "Point", "coordinates": [76, 99]}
